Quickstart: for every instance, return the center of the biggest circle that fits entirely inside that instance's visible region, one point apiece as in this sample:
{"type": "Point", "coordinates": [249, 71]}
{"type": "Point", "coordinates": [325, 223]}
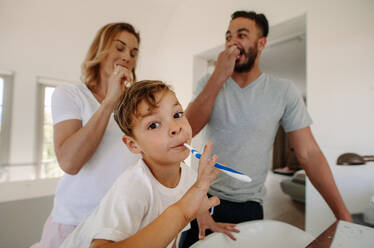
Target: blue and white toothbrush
{"type": "Point", "coordinates": [231, 172]}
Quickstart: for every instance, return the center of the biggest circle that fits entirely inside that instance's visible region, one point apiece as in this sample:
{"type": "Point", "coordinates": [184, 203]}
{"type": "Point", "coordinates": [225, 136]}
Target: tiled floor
{"type": "Point", "coordinates": [279, 206]}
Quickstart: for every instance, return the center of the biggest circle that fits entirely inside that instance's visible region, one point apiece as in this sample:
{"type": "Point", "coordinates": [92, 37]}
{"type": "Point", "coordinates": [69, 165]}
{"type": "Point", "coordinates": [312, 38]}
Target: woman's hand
{"type": "Point", "coordinates": [120, 78]}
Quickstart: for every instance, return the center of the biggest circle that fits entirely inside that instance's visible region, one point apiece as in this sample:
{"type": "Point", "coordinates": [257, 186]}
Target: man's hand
{"type": "Point", "coordinates": [205, 221]}
{"type": "Point", "coordinates": [226, 63]}
{"type": "Point", "coordinates": [346, 216]}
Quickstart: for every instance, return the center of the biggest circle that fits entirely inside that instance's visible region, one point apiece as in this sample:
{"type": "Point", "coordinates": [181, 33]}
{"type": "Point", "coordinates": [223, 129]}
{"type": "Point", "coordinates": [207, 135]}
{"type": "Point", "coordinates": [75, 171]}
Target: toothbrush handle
{"type": "Point", "coordinates": [196, 154]}
{"type": "Point", "coordinates": [217, 165]}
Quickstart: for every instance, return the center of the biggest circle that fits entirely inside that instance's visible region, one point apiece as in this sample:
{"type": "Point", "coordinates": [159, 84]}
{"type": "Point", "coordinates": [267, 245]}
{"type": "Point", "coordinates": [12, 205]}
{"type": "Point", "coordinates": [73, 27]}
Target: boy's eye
{"type": "Point", "coordinates": [242, 35]}
{"type": "Point", "coordinates": [228, 38]}
{"type": "Point", "coordinates": [178, 115]}
{"type": "Point", "coordinates": [154, 125]}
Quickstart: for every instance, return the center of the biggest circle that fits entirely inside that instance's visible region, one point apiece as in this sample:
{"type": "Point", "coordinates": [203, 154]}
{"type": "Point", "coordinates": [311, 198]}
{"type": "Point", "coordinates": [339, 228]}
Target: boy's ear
{"type": "Point", "coordinates": [131, 143]}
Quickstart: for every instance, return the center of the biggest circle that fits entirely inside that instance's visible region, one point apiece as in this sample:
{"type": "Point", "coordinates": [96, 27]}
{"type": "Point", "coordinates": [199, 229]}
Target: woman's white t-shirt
{"type": "Point", "coordinates": [78, 195]}
{"type": "Point", "coordinates": [134, 201]}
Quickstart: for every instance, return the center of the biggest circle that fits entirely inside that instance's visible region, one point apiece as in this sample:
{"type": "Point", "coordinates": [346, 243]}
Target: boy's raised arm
{"type": "Point", "coordinates": [166, 227]}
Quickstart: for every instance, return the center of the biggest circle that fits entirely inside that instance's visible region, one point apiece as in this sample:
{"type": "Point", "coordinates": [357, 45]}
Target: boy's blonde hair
{"type": "Point", "coordinates": [99, 48]}
{"type": "Point", "coordinates": [127, 106]}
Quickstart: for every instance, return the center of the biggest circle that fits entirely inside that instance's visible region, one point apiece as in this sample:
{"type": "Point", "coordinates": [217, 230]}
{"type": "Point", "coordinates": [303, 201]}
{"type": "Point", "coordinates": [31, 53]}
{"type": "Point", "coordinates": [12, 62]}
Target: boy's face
{"type": "Point", "coordinates": [159, 134]}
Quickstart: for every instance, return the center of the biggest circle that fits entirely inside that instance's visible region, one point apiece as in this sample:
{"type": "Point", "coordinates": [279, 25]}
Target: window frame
{"type": "Point", "coordinates": [6, 124]}
{"type": "Point", "coordinates": [42, 83]}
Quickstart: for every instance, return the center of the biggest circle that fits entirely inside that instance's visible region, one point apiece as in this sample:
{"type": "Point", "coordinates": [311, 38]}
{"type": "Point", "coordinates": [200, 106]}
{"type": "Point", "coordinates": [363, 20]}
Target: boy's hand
{"type": "Point", "coordinates": [206, 171]}
{"type": "Point", "coordinates": [205, 221]}
{"type": "Point", "coordinates": [196, 201]}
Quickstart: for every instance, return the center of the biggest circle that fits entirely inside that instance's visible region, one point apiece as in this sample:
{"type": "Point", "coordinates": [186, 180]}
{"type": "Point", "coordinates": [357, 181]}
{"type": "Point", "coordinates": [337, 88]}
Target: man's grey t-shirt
{"type": "Point", "coordinates": [242, 127]}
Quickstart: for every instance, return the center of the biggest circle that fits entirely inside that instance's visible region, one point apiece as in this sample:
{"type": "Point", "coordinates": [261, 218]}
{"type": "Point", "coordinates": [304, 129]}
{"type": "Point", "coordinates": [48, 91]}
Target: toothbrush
{"type": "Point", "coordinates": [231, 172]}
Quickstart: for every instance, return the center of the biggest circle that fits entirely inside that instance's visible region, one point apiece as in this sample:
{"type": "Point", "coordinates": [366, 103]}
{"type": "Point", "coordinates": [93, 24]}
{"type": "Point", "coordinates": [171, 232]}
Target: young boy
{"type": "Point", "coordinates": [135, 211]}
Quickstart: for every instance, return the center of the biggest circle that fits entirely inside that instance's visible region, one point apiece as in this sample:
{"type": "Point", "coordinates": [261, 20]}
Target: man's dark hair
{"type": "Point", "coordinates": [260, 20]}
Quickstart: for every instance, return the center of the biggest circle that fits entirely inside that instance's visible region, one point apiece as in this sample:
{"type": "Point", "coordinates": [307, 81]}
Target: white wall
{"type": "Point", "coordinates": [341, 76]}
{"type": "Point", "coordinates": [340, 94]}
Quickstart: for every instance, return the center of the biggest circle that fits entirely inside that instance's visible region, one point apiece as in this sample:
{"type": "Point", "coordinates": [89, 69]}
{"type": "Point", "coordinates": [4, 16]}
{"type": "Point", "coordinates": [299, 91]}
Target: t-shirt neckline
{"type": "Point", "coordinates": [256, 81]}
{"type": "Point", "coordinates": [163, 188]}
{"type": "Point", "coordinates": [91, 94]}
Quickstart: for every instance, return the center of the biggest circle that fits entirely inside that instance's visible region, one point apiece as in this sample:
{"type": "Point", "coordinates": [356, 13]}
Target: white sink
{"type": "Point", "coordinates": [262, 233]}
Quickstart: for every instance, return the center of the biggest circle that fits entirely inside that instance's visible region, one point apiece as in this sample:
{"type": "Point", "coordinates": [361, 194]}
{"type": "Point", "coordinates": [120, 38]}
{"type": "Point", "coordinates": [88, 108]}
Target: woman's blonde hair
{"type": "Point", "coordinates": [99, 48]}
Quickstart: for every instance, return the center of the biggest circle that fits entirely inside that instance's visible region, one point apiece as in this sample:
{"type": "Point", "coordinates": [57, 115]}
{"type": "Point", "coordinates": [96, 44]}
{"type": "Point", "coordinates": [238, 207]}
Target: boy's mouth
{"type": "Point", "coordinates": [179, 146]}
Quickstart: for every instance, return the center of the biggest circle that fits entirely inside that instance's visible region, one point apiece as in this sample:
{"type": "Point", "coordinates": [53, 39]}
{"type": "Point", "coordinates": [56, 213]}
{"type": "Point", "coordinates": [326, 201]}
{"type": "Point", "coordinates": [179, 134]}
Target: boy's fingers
{"type": "Point", "coordinates": [201, 233]}
{"type": "Point", "coordinates": [202, 229]}
{"type": "Point", "coordinates": [228, 233]}
{"type": "Point", "coordinates": [228, 229]}
{"type": "Point", "coordinates": [232, 228]}
{"type": "Point", "coordinates": [213, 160]}
{"type": "Point", "coordinates": [206, 153]}
{"type": "Point", "coordinates": [213, 201]}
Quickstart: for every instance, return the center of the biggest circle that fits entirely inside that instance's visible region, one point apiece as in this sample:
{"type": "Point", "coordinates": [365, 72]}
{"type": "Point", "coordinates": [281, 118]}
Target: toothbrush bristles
{"type": "Point", "coordinates": [188, 146]}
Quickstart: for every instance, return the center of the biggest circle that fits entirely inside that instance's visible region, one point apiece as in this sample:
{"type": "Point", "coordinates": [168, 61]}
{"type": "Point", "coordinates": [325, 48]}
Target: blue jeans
{"type": "Point", "coordinates": [227, 211]}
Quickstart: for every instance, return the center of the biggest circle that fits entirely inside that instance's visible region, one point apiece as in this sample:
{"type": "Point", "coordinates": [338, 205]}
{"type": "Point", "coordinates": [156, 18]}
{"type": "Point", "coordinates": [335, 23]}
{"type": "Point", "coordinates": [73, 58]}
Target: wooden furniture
{"type": "Point", "coordinates": [283, 154]}
{"type": "Point", "coordinates": [324, 240]}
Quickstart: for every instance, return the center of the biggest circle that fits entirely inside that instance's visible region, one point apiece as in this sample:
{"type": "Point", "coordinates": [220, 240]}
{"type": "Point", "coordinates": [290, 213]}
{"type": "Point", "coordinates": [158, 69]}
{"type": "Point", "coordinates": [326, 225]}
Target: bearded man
{"type": "Point", "coordinates": [241, 109]}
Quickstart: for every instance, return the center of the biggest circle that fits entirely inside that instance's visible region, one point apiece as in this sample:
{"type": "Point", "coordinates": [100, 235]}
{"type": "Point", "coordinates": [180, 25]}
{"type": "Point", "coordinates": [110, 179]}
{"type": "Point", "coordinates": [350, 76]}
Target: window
{"type": "Point", "coordinates": [1, 100]}
{"type": "Point", "coordinates": [6, 92]}
{"type": "Point", "coordinates": [46, 158]}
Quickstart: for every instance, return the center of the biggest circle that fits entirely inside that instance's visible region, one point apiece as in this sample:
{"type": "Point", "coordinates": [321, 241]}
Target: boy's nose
{"type": "Point", "coordinates": [176, 129]}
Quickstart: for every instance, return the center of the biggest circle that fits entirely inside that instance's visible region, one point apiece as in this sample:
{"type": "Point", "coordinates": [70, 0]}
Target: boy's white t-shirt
{"type": "Point", "coordinates": [78, 195]}
{"type": "Point", "coordinates": [134, 201]}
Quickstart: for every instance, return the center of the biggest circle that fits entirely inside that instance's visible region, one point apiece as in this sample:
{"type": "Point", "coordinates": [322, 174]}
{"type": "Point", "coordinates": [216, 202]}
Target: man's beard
{"type": "Point", "coordinates": [251, 56]}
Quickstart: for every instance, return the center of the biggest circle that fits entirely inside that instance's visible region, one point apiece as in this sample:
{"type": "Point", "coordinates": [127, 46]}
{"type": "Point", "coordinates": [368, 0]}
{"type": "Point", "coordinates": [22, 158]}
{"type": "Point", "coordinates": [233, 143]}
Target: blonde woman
{"type": "Point", "coordinates": [86, 137]}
